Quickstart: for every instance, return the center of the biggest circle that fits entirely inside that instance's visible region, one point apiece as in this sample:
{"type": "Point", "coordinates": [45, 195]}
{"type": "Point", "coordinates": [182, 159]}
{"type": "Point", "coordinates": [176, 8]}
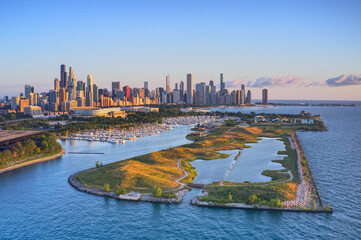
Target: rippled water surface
{"type": "Point", "coordinates": [36, 202]}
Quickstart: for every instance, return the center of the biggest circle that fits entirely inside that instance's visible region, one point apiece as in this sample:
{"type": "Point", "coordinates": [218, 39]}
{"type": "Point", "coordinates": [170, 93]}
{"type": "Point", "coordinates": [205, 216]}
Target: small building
{"type": "Point", "coordinates": [32, 110]}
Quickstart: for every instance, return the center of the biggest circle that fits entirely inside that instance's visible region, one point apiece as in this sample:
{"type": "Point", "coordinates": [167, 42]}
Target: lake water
{"type": "Point", "coordinates": [36, 202]}
{"type": "Point", "coordinates": [251, 163]}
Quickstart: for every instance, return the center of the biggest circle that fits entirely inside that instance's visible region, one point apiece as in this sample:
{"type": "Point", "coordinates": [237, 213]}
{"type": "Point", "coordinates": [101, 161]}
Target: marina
{"type": "Point", "coordinates": [121, 135]}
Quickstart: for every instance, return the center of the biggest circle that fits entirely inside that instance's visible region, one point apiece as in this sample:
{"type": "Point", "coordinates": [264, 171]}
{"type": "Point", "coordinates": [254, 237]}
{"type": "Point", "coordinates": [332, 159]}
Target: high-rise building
{"type": "Point", "coordinates": [167, 81]}
{"type": "Point", "coordinates": [208, 94]}
{"type": "Point", "coordinates": [15, 102]}
{"type": "Point", "coordinates": [54, 97]}
{"type": "Point", "coordinates": [89, 91]}
{"type": "Point", "coordinates": [71, 85]}
{"type": "Point", "coordinates": [146, 86]}
{"type": "Point", "coordinates": [211, 83]}
{"type": "Point", "coordinates": [63, 77]}
{"type": "Point", "coordinates": [249, 97]}
{"type": "Point", "coordinates": [95, 94]}
{"type": "Point", "coordinates": [62, 95]}
{"type": "Point", "coordinates": [56, 84]}
{"type": "Point", "coordinates": [28, 90]}
{"type": "Point", "coordinates": [127, 91]}
{"type": "Point", "coordinates": [242, 94]}
{"type": "Point", "coordinates": [22, 104]}
{"type": "Point", "coordinates": [264, 96]}
{"type": "Point", "coordinates": [222, 84]}
{"type": "Point", "coordinates": [238, 97]}
{"type": "Point", "coordinates": [200, 93]}
{"type": "Point", "coordinates": [116, 86]}
{"type": "Point", "coordinates": [189, 88]}
{"type": "Point", "coordinates": [244, 90]}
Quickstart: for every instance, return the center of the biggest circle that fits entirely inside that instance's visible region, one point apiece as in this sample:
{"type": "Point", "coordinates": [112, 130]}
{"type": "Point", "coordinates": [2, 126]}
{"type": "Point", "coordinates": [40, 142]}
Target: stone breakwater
{"type": "Point", "coordinates": [74, 182]}
{"type": "Point", "coordinates": [197, 202]}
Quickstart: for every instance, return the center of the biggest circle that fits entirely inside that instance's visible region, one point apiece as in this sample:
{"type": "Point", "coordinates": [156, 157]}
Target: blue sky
{"type": "Point", "coordinates": [291, 47]}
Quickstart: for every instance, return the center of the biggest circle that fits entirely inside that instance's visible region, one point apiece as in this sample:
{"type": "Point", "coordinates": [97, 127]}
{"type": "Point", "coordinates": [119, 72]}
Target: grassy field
{"type": "Point", "coordinates": [159, 169]}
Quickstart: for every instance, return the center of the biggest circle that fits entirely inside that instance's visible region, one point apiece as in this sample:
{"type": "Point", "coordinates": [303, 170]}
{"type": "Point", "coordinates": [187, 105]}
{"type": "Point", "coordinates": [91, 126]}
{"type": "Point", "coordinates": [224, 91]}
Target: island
{"type": "Point", "coordinates": [165, 176]}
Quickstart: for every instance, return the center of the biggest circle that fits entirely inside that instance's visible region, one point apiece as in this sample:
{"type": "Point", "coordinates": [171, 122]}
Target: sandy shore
{"type": "Point", "coordinates": [32, 162]}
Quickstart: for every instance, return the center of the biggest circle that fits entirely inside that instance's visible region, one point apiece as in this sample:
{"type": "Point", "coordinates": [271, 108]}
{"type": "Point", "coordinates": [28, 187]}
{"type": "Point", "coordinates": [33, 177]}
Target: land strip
{"type": "Point", "coordinates": [27, 163]}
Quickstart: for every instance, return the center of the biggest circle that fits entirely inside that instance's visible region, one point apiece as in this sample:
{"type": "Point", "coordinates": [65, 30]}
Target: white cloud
{"type": "Point", "coordinates": [344, 80]}
{"type": "Point", "coordinates": [276, 81]}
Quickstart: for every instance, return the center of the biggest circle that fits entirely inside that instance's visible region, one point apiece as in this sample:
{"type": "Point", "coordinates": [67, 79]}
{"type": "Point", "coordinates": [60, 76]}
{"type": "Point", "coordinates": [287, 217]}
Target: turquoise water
{"type": "Point", "coordinates": [36, 202]}
{"type": "Point", "coordinates": [249, 167]}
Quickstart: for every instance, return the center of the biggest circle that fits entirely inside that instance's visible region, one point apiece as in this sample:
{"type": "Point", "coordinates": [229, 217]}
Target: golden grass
{"type": "Point", "coordinates": [159, 169]}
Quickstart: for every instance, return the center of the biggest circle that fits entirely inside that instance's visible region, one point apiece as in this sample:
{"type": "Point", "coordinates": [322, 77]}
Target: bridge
{"type": "Point", "coordinates": [11, 136]}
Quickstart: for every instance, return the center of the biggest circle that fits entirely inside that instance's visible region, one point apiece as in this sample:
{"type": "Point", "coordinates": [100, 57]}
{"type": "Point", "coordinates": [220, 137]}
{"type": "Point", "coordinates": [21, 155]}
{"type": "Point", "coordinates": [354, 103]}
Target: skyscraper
{"type": "Point", "coordinates": [189, 88]}
{"type": "Point", "coordinates": [95, 94]}
{"type": "Point", "coordinates": [249, 97]}
{"type": "Point", "coordinates": [146, 89]}
{"type": "Point", "coordinates": [28, 90]}
{"type": "Point", "coordinates": [89, 91]}
{"type": "Point", "coordinates": [63, 76]}
{"type": "Point", "coordinates": [116, 86]}
{"type": "Point", "coordinates": [200, 93]}
{"type": "Point", "coordinates": [71, 85]}
{"type": "Point", "coordinates": [167, 81]}
{"type": "Point", "coordinates": [264, 96]}
{"type": "Point", "coordinates": [244, 91]}
{"type": "Point", "coordinates": [56, 84]}
{"type": "Point", "coordinates": [127, 90]}
{"type": "Point", "coordinates": [242, 94]}
{"type": "Point", "coordinates": [222, 84]}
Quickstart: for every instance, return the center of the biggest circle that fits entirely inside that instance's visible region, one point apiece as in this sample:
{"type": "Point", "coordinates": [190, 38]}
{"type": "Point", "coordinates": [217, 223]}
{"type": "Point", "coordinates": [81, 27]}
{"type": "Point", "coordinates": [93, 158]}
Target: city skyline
{"type": "Point", "coordinates": [310, 50]}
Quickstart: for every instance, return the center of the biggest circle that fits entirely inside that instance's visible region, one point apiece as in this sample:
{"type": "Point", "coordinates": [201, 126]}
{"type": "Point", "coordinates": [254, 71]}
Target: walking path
{"type": "Point", "coordinates": [303, 195]}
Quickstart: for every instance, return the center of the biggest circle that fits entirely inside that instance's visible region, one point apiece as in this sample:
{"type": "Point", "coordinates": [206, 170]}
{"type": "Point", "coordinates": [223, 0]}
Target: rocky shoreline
{"type": "Point", "coordinates": [195, 201]}
{"type": "Point", "coordinates": [74, 182]}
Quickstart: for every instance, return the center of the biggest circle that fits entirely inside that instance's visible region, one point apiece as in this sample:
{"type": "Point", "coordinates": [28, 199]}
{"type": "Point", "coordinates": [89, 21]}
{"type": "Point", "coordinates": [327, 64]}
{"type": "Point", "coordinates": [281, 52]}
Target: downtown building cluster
{"type": "Point", "coordinates": [68, 93]}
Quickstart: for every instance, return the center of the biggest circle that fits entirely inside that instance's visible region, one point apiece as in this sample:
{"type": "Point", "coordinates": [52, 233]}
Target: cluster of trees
{"type": "Point", "coordinates": [13, 116]}
{"type": "Point", "coordinates": [27, 124]}
{"type": "Point", "coordinates": [21, 150]}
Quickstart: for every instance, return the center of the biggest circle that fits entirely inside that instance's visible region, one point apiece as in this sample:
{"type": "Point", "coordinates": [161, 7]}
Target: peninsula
{"type": "Point", "coordinates": [162, 176]}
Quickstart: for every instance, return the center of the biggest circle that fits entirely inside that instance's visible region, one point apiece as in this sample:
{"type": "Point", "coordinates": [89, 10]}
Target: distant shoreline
{"type": "Point", "coordinates": [20, 165]}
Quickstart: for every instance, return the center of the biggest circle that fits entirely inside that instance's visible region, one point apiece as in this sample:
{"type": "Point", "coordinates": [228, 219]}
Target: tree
{"type": "Point", "coordinates": [230, 196]}
{"type": "Point", "coordinates": [157, 192]}
{"type": "Point", "coordinates": [106, 187]}
{"type": "Point", "coordinates": [44, 145]}
{"type": "Point", "coordinates": [97, 164]}
{"type": "Point", "coordinates": [253, 199]}
{"type": "Point", "coordinates": [37, 150]}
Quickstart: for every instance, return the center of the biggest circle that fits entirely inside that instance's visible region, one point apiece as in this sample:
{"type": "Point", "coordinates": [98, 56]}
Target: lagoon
{"type": "Point", "coordinates": [249, 166]}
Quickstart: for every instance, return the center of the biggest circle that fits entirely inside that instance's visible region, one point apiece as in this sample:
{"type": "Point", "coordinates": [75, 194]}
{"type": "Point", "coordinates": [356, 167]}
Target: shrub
{"type": "Point", "coordinates": [230, 197]}
{"type": "Point", "coordinates": [97, 164]}
{"type": "Point", "coordinates": [121, 191]}
{"type": "Point", "coordinates": [157, 192]}
{"type": "Point", "coordinates": [252, 199]}
{"type": "Point", "coordinates": [328, 207]}
{"type": "Point", "coordinates": [106, 187]}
